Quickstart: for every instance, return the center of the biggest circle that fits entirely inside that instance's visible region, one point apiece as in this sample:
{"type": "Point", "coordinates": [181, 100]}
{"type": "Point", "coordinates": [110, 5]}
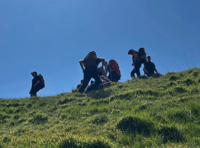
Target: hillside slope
{"type": "Point", "coordinates": [161, 111]}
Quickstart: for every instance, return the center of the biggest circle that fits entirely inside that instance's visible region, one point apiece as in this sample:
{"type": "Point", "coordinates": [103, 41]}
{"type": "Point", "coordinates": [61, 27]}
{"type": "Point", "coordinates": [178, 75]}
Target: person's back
{"type": "Point", "coordinates": [150, 66]}
{"type": "Point", "coordinates": [142, 55]}
{"type": "Point", "coordinates": [115, 73]}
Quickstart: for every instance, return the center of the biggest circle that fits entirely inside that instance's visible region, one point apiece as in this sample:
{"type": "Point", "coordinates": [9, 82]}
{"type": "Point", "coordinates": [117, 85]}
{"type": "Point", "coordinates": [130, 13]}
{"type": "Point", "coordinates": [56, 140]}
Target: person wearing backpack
{"type": "Point", "coordinates": [136, 62]}
{"type": "Point", "coordinates": [149, 67]}
{"type": "Point", "coordinates": [142, 55]}
{"type": "Point", "coordinates": [37, 83]}
{"type": "Point", "coordinates": [114, 72]}
{"type": "Point", "coordinates": [90, 63]}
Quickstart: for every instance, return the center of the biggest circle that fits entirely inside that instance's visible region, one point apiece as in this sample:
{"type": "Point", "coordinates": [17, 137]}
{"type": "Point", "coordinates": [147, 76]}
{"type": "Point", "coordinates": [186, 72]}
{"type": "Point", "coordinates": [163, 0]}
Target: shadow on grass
{"type": "Point", "coordinates": [136, 125]}
{"type": "Point", "coordinates": [171, 134]}
{"type": "Point", "coordinates": [72, 143]}
{"type": "Point", "coordinates": [99, 94]}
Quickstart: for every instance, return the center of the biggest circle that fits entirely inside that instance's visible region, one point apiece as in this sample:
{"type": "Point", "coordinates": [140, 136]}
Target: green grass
{"type": "Point", "coordinates": [160, 112]}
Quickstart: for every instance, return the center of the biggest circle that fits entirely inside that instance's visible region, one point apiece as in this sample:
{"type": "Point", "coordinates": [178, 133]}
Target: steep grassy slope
{"type": "Point", "coordinates": [161, 111]}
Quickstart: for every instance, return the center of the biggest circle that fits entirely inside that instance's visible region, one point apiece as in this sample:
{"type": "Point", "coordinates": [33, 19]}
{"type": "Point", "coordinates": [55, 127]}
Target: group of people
{"type": "Point", "coordinates": [139, 58]}
{"type": "Point", "coordinates": [90, 69]}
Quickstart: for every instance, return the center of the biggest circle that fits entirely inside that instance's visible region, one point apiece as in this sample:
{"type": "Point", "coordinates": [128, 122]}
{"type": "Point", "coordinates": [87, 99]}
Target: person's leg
{"type": "Point", "coordinates": [133, 72]}
{"type": "Point", "coordinates": [35, 90]}
{"type": "Point", "coordinates": [109, 76]}
{"type": "Point", "coordinates": [90, 88]}
{"type": "Point", "coordinates": [97, 79]}
{"type": "Point", "coordinates": [137, 68]}
{"type": "Point", "coordinates": [87, 77]}
{"type": "Point", "coordinates": [115, 76]}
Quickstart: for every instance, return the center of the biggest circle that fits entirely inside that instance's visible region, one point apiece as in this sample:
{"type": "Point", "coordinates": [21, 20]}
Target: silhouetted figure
{"type": "Point", "coordinates": [136, 62]}
{"type": "Point", "coordinates": [37, 83]}
{"type": "Point", "coordinates": [90, 63]}
{"type": "Point", "coordinates": [149, 67]}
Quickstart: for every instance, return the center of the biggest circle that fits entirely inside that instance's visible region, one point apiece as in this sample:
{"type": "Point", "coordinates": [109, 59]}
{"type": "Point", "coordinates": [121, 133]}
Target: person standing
{"type": "Point", "coordinates": [37, 83]}
{"type": "Point", "coordinates": [90, 63]}
{"type": "Point", "coordinates": [136, 62]}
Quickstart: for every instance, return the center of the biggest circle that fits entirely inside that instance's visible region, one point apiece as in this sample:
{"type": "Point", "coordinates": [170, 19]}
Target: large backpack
{"type": "Point", "coordinates": [42, 80]}
{"type": "Point", "coordinates": [114, 66]}
{"type": "Point", "coordinates": [142, 53]}
{"type": "Point", "coordinates": [90, 60]}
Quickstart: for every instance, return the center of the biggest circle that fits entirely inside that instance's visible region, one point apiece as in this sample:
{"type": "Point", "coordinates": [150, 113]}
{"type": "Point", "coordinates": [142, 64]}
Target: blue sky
{"type": "Point", "coordinates": [50, 37]}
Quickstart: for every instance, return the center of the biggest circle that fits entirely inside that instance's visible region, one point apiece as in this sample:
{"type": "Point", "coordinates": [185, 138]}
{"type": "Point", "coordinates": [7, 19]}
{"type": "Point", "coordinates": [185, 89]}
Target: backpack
{"type": "Point", "coordinates": [42, 79]}
{"type": "Point", "coordinates": [114, 65]}
{"type": "Point", "coordinates": [90, 60]}
{"type": "Point", "coordinates": [142, 53]}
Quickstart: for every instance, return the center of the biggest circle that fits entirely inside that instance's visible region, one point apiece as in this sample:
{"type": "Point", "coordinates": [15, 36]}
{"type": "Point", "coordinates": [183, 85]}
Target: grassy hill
{"type": "Point", "coordinates": [161, 111]}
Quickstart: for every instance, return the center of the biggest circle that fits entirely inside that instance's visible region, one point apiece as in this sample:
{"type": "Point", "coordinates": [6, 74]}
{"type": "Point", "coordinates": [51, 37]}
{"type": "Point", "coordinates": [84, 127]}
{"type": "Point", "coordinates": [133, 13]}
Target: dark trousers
{"type": "Point", "coordinates": [34, 90]}
{"type": "Point", "coordinates": [136, 69]}
{"type": "Point", "coordinates": [90, 72]}
{"type": "Point", "coordinates": [114, 76]}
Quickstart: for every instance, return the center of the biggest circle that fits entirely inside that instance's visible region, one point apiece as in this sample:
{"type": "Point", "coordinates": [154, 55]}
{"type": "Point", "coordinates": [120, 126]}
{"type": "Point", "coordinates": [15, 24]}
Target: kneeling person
{"type": "Point", "coordinates": [114, 72]}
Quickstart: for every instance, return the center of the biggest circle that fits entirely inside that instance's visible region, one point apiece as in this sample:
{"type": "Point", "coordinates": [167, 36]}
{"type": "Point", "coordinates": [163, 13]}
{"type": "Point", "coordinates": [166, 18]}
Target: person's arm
{"type": "Point", "coordinates": [81, 64]}
{"type": "Point", "coordinates": [134, 59]}
{"type": "Point", "coordinates": [103, 62]}
{"type": "Point", "coordinates": [36, 83]}
{"type": "Point", "coordinates": [145, 70]}
{"type": "Point", "coordinates": [156, 70]}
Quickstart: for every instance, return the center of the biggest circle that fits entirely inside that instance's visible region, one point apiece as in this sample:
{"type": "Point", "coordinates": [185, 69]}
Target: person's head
{"type": "Point", "coordinates": [142, 48]}
{"type": "Point", "coordinates": [82, 81]}
{"type": "Point", "coordinates": [94, 53]}
{"type": "Point", "coordinates": [131, 51]}
{"type": "Point", "coordinates": [149, 59]}
{"type": "Point", "coordinates": [34, 73]}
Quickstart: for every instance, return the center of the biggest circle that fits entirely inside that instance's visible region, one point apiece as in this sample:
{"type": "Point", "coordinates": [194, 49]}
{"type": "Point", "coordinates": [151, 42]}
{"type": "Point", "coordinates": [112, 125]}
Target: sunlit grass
{"type": "Point", "coordinates": [161, 111]}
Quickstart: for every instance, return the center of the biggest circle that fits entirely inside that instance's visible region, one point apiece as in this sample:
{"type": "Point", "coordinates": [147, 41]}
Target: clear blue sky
{"type": "Point", "coordinates": [51, 36]}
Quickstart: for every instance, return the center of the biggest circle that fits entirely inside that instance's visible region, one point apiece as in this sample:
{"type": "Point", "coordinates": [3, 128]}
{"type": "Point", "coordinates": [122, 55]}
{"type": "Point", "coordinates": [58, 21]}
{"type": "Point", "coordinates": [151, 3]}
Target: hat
{"type": "Point", "coordinates": [34, 72]}
{"type": "Point", "coordinates": [131, 50]}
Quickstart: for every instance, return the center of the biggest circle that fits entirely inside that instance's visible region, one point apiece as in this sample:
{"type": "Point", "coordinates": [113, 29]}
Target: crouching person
{"type": "Point", "coordinates": [37, 83]}
{"type": "Point", "coordinates": [114, 72]}
{"type": "Point", "coordinates": [79, 85]}
{"type": "Point", "coordinates": [90, 63]}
